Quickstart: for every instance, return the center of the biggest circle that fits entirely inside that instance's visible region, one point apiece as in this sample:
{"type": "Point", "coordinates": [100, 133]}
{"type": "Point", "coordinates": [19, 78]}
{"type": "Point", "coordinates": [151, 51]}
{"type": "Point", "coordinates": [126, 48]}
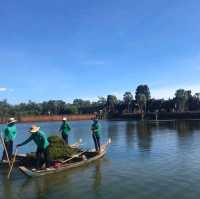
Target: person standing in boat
{"type": "Point", "coordinates": [65, 129]}
{"type": "Point", "coordinates": [95, 128]}
{"type": "Point", "coordinates": [10, 133]}
{"type": "Point", "coordinates": [40, 139]}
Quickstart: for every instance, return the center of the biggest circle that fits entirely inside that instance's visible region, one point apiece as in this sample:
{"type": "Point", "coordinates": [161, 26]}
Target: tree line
{"type": "Point", "coordinates": [139, 102]}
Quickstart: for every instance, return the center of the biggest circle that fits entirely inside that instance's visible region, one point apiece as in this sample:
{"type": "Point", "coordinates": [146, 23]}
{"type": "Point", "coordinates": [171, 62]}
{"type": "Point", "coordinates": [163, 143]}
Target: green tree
{"type": "Point", "coordinates": [128, 98]}
{"type": "Point", "coordinates": [197, 95]}
{"type": "Point", "coordinates": [182, 96]}
{"type": "Point", "coordinates": [111, 103]}
{"type": "Point", "coordinates": [5, 109]}
{"type": "Point", "coordinates": [71, 109]}
{"type": "Point", "coordinates": [142, 102]}
{"type": "Point", "coordinates": [101, 101]}
{"type": "Point", "coordinates": [168, 105]}
{"type": "Point", "coordinates": [142, 96]}
{"type": "Point", "coordinates": [155, 105]}
{"type": "Point", "coordinates": [60, 107]}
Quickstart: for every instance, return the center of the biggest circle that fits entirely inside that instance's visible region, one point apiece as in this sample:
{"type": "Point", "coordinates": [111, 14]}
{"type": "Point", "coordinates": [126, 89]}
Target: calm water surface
{"type": "Point", "coordinates": [146, 160]}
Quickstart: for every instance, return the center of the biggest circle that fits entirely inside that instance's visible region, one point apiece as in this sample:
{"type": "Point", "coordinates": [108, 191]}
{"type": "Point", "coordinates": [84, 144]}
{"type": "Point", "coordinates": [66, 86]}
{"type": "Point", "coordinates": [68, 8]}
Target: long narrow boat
{"type": "Point", "coordinates": [21, 156]}
{"type": "Point", "coordinates": [86, 158]}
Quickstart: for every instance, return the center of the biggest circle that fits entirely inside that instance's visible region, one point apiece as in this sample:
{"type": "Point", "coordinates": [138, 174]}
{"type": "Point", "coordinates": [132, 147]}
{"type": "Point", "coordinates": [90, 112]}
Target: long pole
{"type": "Point", "coordinates": [74, 156]}
{"type": "Point", "coordinates": [4, 146]}
{"type": "Point", "coordinates": [13, 161]}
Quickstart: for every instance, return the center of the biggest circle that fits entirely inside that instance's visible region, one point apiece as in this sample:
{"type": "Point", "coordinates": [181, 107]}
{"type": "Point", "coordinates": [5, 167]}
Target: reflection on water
{"type": "Point", "coordinates": [144, 134]}
{"type": "Point", "coordinates": [130, 131]}
{"type": "Point", "coordinates": [113, 128]}
{"type": "Point", "coordinates": [162, 161]}
{"type": "Point", "coordinates": [185, 128]}
{"type": "Point", "coordinates": [39, 187]}
{"type": "Point", "coordinates": [97, 176]}
{"type": "Point", "coordinates": [7, 187]}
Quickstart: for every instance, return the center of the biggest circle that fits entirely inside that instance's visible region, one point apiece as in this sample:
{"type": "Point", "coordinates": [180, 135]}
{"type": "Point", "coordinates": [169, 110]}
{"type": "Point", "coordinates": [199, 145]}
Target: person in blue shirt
{"type": "Point", "coordinates": [10, 133]}
{"type": "Point", "coordinates": [40, 139]}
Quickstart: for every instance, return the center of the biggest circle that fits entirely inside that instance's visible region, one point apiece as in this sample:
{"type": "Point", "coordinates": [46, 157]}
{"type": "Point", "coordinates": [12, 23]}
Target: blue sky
{"type": "Point", "coordinates": [68, 49]}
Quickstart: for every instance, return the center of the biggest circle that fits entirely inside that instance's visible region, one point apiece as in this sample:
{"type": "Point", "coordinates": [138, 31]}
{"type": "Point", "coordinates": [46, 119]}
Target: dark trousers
{"type": "Point", "coordinates": [96, 142]}
{"type": "Point", "coordinates": [65, 138]}
{"type": "Point", "coordinates": [42, 157]}
{"type": "Point", "coordinates": [9, 147]}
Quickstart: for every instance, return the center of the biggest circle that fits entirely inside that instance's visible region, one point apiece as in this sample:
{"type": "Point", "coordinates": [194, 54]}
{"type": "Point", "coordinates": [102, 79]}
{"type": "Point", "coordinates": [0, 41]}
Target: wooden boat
{"type": "Point", "coordinates": [85, 158]}
{"type": "Point", "coordinates": [21, 156]}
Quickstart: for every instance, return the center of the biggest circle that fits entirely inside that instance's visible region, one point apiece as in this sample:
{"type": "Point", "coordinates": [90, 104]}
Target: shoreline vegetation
{"type": "Point", "coordinates": [137, 106]}
{"type": "Point", "coordinates": [50, 118]}
{"type": "Point", "coordinates": [114, 116]}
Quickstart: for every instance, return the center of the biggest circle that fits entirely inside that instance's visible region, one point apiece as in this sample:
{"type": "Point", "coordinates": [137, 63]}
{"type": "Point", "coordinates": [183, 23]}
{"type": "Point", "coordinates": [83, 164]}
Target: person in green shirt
{"type": "Point", "coordinates": [10, 133]}
{"type": "Point", "coordinates": [40, 139]}
{"type": "Point", "coordinates": [65, 129]}
{"type": "Point", "coordinates": [95, 128]}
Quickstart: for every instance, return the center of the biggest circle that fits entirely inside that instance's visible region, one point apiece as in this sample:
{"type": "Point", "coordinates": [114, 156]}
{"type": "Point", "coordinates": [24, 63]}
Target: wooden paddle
{"type": "Point", "coordinates": [4, 146]}
{"type": "Point", "coordinates": [74, 156]}
{"type": "Point", "coordinates": [13, 161]}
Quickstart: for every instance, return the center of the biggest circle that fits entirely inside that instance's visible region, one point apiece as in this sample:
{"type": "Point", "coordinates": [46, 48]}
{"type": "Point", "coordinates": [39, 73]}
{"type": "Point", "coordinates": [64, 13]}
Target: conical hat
{"type": "Point", "coordinates": [34, 129]}
{"type": "Point", "coordinates": [12, 120]}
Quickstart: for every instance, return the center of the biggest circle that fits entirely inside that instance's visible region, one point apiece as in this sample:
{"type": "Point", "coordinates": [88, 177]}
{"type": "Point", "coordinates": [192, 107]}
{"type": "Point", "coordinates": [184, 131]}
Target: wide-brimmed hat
{"type": "Point", "coordinates": [34, 129]}
{"type": "Point", "coordinates": [64, 119]}
{"type": "Point", "coordinates": [11, 120]}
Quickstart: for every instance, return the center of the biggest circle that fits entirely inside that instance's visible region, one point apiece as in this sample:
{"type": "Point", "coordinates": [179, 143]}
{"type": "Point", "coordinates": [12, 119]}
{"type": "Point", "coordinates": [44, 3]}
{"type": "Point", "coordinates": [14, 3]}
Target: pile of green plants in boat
{"type": "Point", "coordinates": [57, 150]}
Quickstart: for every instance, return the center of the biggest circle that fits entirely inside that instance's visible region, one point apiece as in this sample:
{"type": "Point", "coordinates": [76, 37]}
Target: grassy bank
{"type": "Point", "coordinates": [49, 118]}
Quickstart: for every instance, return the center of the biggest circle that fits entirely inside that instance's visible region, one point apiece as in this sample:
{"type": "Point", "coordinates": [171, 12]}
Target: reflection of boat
{"type": "Point", "coordinates": [85, 158]}
{"type": "Point", "coordinates": [20, 157]}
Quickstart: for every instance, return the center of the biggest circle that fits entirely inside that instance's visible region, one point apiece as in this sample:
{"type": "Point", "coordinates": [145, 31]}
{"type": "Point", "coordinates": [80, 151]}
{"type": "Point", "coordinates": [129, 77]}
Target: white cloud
{"type": "Point", "coordinates": [2, 89]}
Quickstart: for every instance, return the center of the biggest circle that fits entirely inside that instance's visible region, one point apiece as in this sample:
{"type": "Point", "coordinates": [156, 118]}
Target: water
{"type": "Point", "coordinates": [146, 160]}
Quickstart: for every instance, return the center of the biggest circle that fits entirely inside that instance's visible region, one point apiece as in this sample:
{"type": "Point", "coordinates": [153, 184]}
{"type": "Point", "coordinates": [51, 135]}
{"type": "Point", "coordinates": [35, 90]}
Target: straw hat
{"type": "Point", "coordinates": [12, 120]}
{"type": "Point", "coordinates": [34, 129]}
{"type": "Point", "coordinates": [64, 119]}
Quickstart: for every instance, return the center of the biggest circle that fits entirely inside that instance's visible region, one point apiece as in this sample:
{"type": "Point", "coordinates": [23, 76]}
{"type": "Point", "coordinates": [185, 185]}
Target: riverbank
{"type": "Point", "coordinates": [51, 118]}
{"type": "Point", "coordinates": [154, 116]}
